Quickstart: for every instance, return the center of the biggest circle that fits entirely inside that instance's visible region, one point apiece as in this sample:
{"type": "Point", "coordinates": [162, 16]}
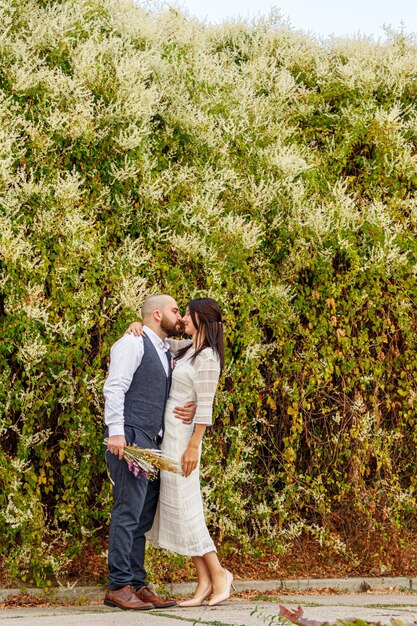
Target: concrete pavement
{"type": "Point", "coordinates": [375, 607]}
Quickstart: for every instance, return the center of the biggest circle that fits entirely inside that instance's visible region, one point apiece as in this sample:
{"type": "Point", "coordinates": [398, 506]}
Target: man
{"type": "Point", "coordinates": [135, 392]}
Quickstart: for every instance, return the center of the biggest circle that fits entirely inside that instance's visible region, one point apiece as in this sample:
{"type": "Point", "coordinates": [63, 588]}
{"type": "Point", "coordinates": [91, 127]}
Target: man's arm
{"type": "Point", "coordinates": [125, 357]}
{"type": "Point", "coordinates": [185, 413]}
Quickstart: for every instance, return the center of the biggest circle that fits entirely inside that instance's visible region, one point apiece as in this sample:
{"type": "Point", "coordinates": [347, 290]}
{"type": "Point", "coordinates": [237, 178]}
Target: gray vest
{"type": "Point", "coordinates": [148, 392]}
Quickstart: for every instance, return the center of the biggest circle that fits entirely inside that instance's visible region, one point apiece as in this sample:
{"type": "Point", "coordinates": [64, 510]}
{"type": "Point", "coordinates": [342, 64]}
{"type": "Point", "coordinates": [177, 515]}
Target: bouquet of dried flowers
{"type": "Point", "coordinates": [146, 461]}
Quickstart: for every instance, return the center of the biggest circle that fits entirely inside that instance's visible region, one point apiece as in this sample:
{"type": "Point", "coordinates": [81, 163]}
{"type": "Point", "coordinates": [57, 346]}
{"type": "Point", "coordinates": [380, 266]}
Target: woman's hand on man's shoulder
{"type": "Point", "coordinates": [136, 329]}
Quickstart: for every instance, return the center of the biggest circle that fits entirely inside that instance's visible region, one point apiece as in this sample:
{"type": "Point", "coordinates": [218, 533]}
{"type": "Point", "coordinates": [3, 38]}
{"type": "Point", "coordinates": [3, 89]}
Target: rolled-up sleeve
{"type": "Point", "coordinates": [125, 357]}
{"type": "Point", "coordinates": [207, 369]}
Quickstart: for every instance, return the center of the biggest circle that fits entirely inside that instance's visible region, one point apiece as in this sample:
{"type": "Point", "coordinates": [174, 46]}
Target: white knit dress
{"type": "Point", "coordinates": [179, 523]}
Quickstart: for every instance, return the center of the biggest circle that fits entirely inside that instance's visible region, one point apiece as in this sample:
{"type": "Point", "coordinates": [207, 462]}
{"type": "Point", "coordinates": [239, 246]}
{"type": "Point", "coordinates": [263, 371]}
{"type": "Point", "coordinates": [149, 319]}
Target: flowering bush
{"type": "Point", "coordinates": [144, 152]}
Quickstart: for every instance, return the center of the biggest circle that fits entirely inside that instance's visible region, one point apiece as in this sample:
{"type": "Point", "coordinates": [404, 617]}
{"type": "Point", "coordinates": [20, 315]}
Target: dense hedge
{"type": "Point", "coordinates": [146, 152]}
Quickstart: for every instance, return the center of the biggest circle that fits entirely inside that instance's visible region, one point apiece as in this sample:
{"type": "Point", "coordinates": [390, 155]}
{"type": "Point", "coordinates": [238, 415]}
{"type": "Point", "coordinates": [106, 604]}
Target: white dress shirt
{"type": "Point", "coordinates": [125, 357]}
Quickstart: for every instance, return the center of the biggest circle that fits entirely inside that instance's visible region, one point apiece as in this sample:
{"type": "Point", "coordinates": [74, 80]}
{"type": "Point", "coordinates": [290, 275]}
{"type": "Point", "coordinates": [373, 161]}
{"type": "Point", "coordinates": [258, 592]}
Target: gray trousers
{"type": "Point", "coordinates": [134, 506]}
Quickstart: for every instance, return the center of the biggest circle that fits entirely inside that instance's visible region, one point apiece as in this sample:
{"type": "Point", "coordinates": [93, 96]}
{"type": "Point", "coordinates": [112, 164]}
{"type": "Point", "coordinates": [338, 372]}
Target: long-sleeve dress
{"type": "Point", "coordinates": [179, 523]}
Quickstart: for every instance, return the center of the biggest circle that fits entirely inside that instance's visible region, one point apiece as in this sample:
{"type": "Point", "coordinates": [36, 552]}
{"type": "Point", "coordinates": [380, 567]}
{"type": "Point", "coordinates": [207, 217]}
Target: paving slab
{"type": "Point", "coordinates": [330, 607]}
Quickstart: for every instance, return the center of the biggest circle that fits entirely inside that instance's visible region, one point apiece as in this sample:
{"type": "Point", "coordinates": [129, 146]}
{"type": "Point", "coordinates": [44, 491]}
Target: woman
{"type": "Point", "coordinates": [179, 523]}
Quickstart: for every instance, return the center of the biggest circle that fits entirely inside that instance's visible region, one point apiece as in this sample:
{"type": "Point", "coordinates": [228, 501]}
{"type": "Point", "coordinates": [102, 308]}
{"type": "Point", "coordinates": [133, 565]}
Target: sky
{"type": "Point", "coordinates": [321, 17]}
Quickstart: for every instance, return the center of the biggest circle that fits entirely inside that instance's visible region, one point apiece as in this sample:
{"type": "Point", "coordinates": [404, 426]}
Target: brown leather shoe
{"type": "Point", "coordinates": [147, 595]}
{"type": "Point", "coordinates": [126, 599]}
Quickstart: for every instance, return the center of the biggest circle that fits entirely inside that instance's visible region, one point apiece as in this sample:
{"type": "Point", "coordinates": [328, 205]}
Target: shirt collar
{"type": "Point", "coordinates": [162, 344]}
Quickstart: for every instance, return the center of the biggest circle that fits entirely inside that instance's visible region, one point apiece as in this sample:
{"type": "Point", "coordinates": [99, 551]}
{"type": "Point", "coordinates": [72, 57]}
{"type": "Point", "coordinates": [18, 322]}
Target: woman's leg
{"type": "Point", "coordinates": [216, 572]}
{"type": "Point", "coordinates": [212, 578]}
{"type": "Point", "coordinates": [204, 587]}
{"type": "Point", "coordinates": [203, 575]}
{"type": "Point", "coordinates": [209, 571]}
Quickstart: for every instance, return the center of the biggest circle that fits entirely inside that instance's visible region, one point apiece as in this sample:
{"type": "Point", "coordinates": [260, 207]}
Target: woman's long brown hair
{"type": "Point", "coordinates": [207, 319]}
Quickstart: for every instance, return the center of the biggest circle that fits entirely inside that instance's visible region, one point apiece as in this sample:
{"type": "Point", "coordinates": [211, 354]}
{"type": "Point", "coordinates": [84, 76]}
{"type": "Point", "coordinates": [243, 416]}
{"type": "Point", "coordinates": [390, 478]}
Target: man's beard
{"type": "Point", "coordinates": [172, 329]}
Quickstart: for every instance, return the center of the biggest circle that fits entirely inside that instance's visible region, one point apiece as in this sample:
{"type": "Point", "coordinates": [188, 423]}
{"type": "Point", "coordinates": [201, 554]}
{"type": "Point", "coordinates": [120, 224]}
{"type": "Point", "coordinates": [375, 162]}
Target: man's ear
{"type": "Point", "coordinates": [157, 315]}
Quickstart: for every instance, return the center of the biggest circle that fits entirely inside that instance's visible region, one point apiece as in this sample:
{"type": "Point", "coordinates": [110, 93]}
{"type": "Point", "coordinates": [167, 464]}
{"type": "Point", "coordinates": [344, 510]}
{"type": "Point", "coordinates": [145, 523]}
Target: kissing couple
{"type": "Point", "coordinates": [151, 404]}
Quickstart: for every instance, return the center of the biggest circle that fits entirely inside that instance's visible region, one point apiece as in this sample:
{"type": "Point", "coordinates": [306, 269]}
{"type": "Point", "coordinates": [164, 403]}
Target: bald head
{"type": "Point", "coordinates": [160, 313]}
{"type": "Point", "coordinates": [158, 302]}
